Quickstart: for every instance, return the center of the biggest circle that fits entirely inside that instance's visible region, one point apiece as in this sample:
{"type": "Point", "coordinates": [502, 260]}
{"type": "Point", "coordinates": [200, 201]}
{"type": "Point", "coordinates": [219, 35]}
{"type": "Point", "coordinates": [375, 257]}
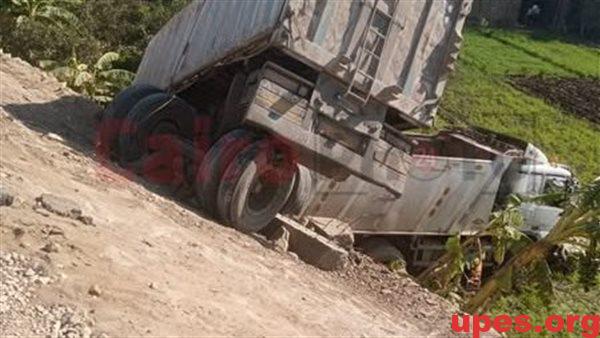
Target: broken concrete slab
{"type": "Point", "coordinates": [313, 248]}
{"type": "Point", "coordinates": [280, 239]}
{"type": "Point", "coordinates": [63, 206]}
{"type": "Point", "coordinates": [338, 231]}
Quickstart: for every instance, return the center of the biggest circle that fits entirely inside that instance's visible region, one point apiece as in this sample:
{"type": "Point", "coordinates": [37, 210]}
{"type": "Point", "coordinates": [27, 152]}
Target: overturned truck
{"type": "Point", "coordinates": [297, 107]}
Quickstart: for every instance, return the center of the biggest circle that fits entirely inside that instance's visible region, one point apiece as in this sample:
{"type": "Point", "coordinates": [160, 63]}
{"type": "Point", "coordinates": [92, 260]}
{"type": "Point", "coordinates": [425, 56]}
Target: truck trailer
{"type": "Point", "coordinates": [304, 107]}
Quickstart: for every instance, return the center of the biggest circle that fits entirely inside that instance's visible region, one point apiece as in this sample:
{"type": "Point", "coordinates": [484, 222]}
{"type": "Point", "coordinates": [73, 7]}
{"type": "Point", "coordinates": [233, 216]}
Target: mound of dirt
{"type": "Point", "coordinates": [579, 96]}
{"type": "Point", "coordinates": [149, 264]}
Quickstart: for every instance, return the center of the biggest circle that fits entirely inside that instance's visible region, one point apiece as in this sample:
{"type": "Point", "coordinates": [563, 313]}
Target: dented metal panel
{"type": "Point", "coordinates": [443, 195]}
{"type": "Point", "coordinates": [204, 33]}
{"type": "Point", "coordinates": [416, 57]}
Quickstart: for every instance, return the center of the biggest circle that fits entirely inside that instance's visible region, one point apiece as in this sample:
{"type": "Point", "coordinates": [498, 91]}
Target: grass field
{"type": "Point", "coordinates": [480, 93]}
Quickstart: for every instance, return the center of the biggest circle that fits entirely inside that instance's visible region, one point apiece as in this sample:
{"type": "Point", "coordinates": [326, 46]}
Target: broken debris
{"type": "Point", "coordinates": [63, 207]}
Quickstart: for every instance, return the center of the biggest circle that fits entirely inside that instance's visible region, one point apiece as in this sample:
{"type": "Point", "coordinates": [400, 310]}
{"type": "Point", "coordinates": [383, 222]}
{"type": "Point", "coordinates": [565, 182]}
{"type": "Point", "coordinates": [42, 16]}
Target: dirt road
{"type": "Point", "coordinates": [148, 265]}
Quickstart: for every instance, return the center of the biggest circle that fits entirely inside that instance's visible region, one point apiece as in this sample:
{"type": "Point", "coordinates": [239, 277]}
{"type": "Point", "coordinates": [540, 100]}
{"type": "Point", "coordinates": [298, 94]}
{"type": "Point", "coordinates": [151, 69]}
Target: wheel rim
{"type": "Point", "coordinates": [262, 194]}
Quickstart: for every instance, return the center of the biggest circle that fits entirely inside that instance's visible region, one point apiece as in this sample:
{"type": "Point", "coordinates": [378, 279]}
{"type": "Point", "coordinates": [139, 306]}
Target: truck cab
{"type": "Point", "coordinates": [536, 176]}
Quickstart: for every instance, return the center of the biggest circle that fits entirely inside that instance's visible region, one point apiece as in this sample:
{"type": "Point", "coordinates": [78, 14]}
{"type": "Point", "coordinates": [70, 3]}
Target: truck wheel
{"type": "Point", "coordinates": [138, 125]}
{"type": "Point", "coordinates": [214, 164]}
{"type": "Point", "coordinates": [254, 188]}
{"type": "Point", "coordinates": [112, 118]}
{"type": "Point", "coordinates": [145, 116]}
{"type": "Point", "coordinates": [301, 192]}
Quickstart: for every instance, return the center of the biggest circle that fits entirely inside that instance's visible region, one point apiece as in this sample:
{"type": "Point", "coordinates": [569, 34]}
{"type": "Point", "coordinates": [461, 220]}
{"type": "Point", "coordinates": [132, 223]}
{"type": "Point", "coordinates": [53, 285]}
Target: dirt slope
{"type": "Point", "coordinates": [158, 267]}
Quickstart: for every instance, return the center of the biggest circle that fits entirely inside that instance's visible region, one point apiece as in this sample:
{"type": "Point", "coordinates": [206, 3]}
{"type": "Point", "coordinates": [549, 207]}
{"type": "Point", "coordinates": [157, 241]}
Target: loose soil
{"type": "Point", "coordinates": [579, 96]}
{"type": "Point", "coordinates": [150, 265]}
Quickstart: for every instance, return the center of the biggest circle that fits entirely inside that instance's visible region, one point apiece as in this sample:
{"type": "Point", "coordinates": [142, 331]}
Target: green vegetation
{"type": "Point", "coordinates": [580, 221]}
{"type": "Point", "coordinates": [99, 82]}
{"type": "Point", "coordinates": [480, 93]}
{"type": "Point", "coordinates": [568, 298]}
{"type": "Point", "coordinates": [59, 30]}
{"type": "Point", "coordinates": [95, 45]}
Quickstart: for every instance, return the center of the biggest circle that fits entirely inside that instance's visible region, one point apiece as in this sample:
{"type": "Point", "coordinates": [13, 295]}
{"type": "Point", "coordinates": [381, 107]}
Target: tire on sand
{"type": "Point", "coordinates": [214, 164]}
{"type": "Point", "coordinates": [113, 117]}
{"type": "Point", "coordinates": [301, 192]}
{"type": "Point", "coordinates": [254, 188]}
{"type": "Point", "coordinates": [146, 116]}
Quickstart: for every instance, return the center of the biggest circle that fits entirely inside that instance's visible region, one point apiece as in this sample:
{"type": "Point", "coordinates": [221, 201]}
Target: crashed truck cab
{"type": "Point", "coordinates": [262, 96]}
{"type": "Point", "coordinates": [536, 176]}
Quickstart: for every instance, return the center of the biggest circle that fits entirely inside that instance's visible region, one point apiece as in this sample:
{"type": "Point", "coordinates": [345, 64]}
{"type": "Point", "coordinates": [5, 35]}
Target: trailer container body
{"type": "Point", "coordinates": [330, 87]}
{"type": "Point", "coordinates": [398, 52]}
{"type": "Point", "coordinates": [333, 85]}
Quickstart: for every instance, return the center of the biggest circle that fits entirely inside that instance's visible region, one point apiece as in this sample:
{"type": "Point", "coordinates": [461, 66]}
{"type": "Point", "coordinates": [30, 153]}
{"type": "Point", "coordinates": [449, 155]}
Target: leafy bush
{"type": "Point", "coordinates": [37, 30]}
{"type": "Point", "coordinates": [100, 81]}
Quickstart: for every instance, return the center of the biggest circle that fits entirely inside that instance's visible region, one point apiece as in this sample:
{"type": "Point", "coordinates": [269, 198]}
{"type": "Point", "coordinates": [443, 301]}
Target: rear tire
{"type": "Point", "coordinates": [156, 142]}
{"type": "Point", "coordinates": [254, 188]}
{"type": "Point", "coordinates": [214, 164]}
{"type": "Point", "coordinates": [144, 118]}
{"type": "Point", "coordinates": [111, 120]}
{"type": "Point", "coordinates": [138, 126]}
{"type": "Point", "coordinates": [301, 193]}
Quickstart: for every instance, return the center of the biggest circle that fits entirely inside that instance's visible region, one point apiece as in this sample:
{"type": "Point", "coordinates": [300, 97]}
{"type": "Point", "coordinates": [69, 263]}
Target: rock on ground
{"type": "Point", "coordinates": [6, 199]}
{"type": "Point", "coordinates": [312, 247]}
{"type": "Point", "coordinates": [334, 229]}
{"type": "Point", "coordinates": [20, 276]}
{"type": "Point", "coordinates": [64, 207]}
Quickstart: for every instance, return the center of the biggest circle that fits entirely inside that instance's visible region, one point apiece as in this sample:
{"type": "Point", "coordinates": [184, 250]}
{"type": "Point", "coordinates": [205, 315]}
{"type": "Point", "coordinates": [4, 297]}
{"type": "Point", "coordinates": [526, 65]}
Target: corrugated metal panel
{"type": "Point", "coordinates": [165, 51]}
{"type": "Point", "coordinates": [442, 196]}
{"type": "Point", "coordinates": [420, 51]}
{"type": "Point", "coordinates": [421, 48]}
{"type": "Point", "coordinates": [202, 34]}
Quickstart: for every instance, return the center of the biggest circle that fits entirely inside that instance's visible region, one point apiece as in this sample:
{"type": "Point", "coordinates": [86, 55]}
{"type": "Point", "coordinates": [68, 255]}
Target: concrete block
{"type": "Point", "coordinates": [313, 248]}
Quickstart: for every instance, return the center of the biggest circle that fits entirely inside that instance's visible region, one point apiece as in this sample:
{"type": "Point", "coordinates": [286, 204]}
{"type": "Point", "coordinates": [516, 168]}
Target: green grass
{"type": "Point", "coordinates": [480, 94]}
{"type": "Point", "coordinates": [568, 299]}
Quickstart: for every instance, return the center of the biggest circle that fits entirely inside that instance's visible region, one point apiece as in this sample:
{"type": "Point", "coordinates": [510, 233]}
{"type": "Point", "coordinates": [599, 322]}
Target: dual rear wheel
{"type": "Point", "coordinates": [245, 177]}
{"type": "Point", "coordinates": [255, 186]}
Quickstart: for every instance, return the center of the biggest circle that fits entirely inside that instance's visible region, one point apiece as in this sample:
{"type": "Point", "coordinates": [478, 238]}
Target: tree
{"type": "Point", "coordinates": [53, 11]}
{"type": "Point", "coordinates": [580, 220]}
{"type": "Point", "coordinates": [100, 82]}
{"type": "Point", "coordinates": [589, 22]}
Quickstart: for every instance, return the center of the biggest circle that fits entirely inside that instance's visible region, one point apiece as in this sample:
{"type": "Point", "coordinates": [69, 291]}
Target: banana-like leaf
{"type": "Point", "coordinates": [64, 73]}
{"type": "Point", "coordinates": [83, 78]}
{"type": "Point", "coordinates": [48, 64]}
{"type": "Point", "coordinates": [106, 60]}
{"type": "Point", "coordinates": [59, 15]}
{"type": "Point", "coordinates": [118, 76]}
{"type": "Point", "coordinates": [499, 252]}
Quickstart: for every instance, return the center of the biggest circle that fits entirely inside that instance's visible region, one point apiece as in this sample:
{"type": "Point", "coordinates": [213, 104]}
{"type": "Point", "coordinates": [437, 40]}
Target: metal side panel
{"type": "Point", "coordinates": [164, 53]}
{"type": "Point", "coordinates": [442, 196]}
{"type": "Point", "coordinates": [419, 53]}
{"type": "Point", "coordinates": [204, 33]}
